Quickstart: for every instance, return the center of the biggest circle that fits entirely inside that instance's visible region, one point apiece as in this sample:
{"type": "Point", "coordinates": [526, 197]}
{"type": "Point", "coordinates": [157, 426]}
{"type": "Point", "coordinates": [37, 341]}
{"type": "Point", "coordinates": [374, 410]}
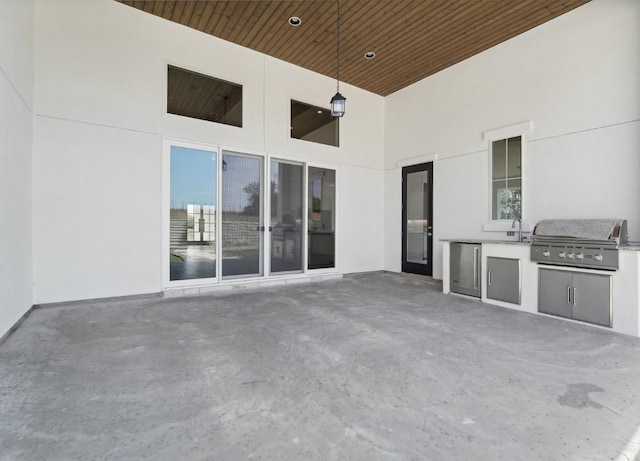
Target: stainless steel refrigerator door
{"type": "Point", "coordinates": [464, 275]}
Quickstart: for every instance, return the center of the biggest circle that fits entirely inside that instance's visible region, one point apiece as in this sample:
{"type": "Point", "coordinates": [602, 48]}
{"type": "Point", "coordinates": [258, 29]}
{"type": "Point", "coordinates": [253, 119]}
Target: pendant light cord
{"type": "Point", "coordinates": [338, 49]}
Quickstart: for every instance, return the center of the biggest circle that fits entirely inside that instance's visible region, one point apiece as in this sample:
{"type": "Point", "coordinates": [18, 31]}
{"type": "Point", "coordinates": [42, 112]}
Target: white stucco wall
{"type": "Point", "coordinates": [16, 125]}
{"type": "Point", "coordinates": [576, 78]}
{"type": "Point", "coordinates": [100, 70]}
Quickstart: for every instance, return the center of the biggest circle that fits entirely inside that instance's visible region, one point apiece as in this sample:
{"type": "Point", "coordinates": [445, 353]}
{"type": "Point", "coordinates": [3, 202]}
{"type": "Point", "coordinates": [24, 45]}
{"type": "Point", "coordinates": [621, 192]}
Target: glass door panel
{"type": "Point", "coordinates": [286, 216]}
{"type": "Point", "coordinates": [192, 214]}
{"type": "Point", "coordinates": [417, 217]}
{"type": "Point", "coordinates": [321, 205]}
{"type": "Point", "coordinates": [242, 225]}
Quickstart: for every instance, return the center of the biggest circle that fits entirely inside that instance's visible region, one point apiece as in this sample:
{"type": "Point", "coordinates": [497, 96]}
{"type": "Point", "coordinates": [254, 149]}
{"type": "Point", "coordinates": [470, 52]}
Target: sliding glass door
{"type": "Point", "coordinates": [322, 218]}
{"type": "Point", "coordinates": [230, 215]}
{"type": "Point", "coordinates": [192, 213]}
{"type": "Point", "coordinates": [242, 211]}
{"type": "Point", "coordinates": [286, 216]}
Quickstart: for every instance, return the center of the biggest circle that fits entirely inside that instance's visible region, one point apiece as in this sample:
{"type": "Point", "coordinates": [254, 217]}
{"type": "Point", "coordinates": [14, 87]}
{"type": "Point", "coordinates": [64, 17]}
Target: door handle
{"type": "Point", "coordinates": [429, 234]}
{"type": "Point", "coordinates": [475, 267]}
{"type": "Point", "coordinates": [575, 292]}
{"type": "Point", "coordinates": [489, 277]}
{"type": "Point", "coordinates": [568, 295]}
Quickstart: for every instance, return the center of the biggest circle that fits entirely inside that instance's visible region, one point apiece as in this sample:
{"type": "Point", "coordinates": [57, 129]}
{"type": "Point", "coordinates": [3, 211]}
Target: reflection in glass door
{"type": "Point", "coordinates": [192, 214]}
{"type": "Point", "coordinates": [242, 224]}
{"type": "Point", "coordinates": [417, 218]}
{"type": "Point", "coordinates": [286, 216]}
{"type": "Point", "coordinates": [322, 223]}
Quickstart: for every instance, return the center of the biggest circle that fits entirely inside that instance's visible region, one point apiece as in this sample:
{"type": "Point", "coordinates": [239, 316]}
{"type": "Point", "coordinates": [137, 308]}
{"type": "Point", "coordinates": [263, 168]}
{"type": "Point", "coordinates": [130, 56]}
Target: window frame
{"type": "Point", "coordinates": [314, 106]}
{"type": "Point", "coordinates": [209, 123]}
{"type": "Point", "coordinates": [522, 130]}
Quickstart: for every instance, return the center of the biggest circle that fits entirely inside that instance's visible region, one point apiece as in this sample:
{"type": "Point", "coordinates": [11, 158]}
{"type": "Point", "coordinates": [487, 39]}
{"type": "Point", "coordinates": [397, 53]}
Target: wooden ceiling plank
{"type": "Point", "coordinates": [353, 23]}
{"type": "Point", "coordinates": [396, 33]}
{"type": "Point", "coordinates": [389, 54]}
{"type": "Point", "coordinates": [239, 24]}
{"type": "Point", "coordinates": [242, 32]}
{"type": "Point", "coordinates": [492, 30]}
{"type": "Point", "coordinates": [206, 16]}
{"type": "Point", "coordinates": [251, 38]}
{"type": "Point", "coordinates": [459, 57]}
{"type": "Point", "coordinates": [449, 41]}
{"type": "Point", "coordinates": [319, 30]}
{"type": "Point", "coordinates": [167, 11]}
{"type": "Point", "coordinates": [157, 8]}
{"type": "Point", "coordinates": [292, 36]}
{"type": "Point", "coordinates": [187, 12]}
{"type": "Point", "coordinates": [271, 33]}
{"type": "Point", "coordinates": [196, 14]}
{"type": "Point", "coordinates": [139, 4]}
{"type": "Point", "coordinates": [221, 28]}
{"type": "Point", "coordinates": [177, 12]}
{"type": "Point", "coordinates": [445, 57]}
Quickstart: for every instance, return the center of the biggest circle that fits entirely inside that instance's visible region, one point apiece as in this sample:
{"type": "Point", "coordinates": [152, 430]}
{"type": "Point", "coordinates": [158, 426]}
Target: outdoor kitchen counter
{"type": "Point", "coordinates": [625, 282]}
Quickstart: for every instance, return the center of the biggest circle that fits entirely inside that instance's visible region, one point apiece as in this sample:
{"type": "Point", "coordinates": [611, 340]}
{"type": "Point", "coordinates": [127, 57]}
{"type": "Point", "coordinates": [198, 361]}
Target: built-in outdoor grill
{"type": "Point", "coordinates": [588, 243]}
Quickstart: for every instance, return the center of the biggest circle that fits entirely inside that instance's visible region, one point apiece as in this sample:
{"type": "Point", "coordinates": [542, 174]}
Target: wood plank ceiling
{"type": "Point", "coordinates": [412, 39]}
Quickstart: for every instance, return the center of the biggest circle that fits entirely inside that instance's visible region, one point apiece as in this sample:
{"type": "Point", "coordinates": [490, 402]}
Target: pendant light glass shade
{"type": "Point", "coordinates": [337, 105]}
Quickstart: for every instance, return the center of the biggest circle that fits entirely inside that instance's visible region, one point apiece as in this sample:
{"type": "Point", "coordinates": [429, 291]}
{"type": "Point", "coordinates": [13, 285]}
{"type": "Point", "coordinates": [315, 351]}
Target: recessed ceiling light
{"type": "Point", "coordinates": [295, 21]}
{"type": "Point", "coordinates": [319, 111]}
{"type": "Point", "coordinates": [369, 55]}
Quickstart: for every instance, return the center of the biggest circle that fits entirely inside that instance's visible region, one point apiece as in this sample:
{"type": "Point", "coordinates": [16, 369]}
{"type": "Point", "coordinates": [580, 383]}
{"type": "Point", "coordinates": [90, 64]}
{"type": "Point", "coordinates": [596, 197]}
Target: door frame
{"type": "Point", "coordinates": [416, 268]}
{"type": "Point", "coordinates": [167, 143]}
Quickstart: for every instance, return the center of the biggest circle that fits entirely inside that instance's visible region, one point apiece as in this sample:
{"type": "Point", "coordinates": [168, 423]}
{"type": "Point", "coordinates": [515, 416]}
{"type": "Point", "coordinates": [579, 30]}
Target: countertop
{"type": "Point", "coordinates": [631, 246]}
{"type": "Point", "coordinates": [506, 242]}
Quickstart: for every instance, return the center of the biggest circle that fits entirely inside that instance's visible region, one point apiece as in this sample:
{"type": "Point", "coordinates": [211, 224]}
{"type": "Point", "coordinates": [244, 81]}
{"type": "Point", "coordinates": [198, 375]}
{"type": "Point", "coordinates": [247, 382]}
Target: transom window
{"type": "Point", "coordinates": [315, 124]}
{"type": "Point", "coordinates": [195, 95]}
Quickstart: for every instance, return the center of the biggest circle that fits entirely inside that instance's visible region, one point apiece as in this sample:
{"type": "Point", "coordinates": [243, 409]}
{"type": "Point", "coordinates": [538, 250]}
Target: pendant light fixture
{"type": "Point", "coordinates": [338, 101]}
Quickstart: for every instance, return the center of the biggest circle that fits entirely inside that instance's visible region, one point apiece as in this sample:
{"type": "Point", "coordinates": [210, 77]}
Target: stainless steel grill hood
{"type": "Point", "coordinates": [588, 243]}
{"type": "Point", "coordinates": [593, 230]}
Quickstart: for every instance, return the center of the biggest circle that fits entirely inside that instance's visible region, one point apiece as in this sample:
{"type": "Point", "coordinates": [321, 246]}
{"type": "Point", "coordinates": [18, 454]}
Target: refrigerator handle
{"type": "Point", "coordinates": [476, 269]}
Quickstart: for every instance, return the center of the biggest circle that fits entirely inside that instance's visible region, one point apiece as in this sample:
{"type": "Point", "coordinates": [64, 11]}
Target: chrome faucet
{"type": "Point", "coordinates": [513, 226]}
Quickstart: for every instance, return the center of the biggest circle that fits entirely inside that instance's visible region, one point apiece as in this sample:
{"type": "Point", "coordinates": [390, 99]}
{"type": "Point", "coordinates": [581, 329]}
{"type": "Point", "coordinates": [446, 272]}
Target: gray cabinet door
{"type": "Point", "coordinates": [554, 292]}
{"type": "Point", "coordinates": [503, 279]}
{"type": "Point", "coordinates": [591, 298]}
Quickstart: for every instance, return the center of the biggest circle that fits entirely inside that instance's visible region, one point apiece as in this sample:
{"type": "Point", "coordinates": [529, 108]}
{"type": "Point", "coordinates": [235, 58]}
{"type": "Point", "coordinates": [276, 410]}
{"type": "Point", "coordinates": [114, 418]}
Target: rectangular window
{"type": "Point", "coordinates": [506, 178]}
{"type": "Point", "coordinates": [315, 124]}
{"type": "Point", "coordinates": [195, 95]}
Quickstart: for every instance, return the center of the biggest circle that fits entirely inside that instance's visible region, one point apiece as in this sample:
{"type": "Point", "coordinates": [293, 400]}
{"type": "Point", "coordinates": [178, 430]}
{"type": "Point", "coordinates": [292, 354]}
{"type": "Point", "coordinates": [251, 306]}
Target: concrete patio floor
{"type": "Point", "coordinates": [374, 367]}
